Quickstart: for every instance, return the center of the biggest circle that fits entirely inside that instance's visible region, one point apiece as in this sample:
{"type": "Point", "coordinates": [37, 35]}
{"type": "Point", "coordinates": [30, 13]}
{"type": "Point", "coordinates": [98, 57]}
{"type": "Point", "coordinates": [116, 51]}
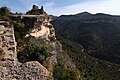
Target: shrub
{"type": "Point", "coordinates": [33, 52]}
{"type": "Point", "coordinates": [19, 26]}
{"type": "Point", "coordinates": [61, 73]}
{"type": "Point", "coordinates": [4, 12]}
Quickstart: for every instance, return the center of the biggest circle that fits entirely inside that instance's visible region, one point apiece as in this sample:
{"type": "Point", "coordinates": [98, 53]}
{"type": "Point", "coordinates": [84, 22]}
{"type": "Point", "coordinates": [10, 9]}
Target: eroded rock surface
{"type": "Point", "coordinates": [2, 29]}
{"type": "Point", "coordinates": [37, 27]}
{"type": "Point", "coordinates": [10, 68]}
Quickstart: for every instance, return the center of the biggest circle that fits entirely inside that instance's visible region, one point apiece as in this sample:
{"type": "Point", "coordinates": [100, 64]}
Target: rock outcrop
{"type": "Point", "coordinates": [38, 26]}
{"type": "Point", "coordinates": [10, 68]}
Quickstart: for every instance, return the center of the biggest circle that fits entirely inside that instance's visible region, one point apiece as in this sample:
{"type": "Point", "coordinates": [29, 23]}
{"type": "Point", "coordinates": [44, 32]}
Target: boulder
{"type": "Point", "coordinates": [2, 29]}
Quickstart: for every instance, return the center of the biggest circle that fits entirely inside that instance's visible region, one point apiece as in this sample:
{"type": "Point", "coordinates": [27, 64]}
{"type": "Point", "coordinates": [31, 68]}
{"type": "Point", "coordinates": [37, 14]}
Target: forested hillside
{"type": "Point", "coordinates": [99, 34]}
{"type": "Point", "coordinates": [90, 68]}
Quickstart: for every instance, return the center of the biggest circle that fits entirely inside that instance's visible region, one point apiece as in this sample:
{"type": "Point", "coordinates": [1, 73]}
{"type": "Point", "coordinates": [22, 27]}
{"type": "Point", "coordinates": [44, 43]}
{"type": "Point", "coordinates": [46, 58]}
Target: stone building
{"type": "Point", "coordinates": [35, 10]}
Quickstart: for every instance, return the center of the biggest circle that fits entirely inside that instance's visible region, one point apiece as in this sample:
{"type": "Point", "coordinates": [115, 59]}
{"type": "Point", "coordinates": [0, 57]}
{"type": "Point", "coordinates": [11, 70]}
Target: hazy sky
{"type": "Point", "coordinates": [60, 7]}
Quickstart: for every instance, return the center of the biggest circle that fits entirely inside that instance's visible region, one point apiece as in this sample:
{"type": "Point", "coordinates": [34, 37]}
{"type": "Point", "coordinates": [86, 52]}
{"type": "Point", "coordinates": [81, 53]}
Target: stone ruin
{"type": "Point", "coordinates": [7, 43]}
{"type": "Point", "coordinates": [36, 11]}
{"type": "Point", "coordinates": [10, 68]}
{"type": "Point", "coordinates": [38, 23]}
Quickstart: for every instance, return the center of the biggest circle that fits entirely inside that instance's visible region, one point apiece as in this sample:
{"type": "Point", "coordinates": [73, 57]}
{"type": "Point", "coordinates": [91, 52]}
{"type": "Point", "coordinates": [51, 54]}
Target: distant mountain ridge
{"type": "Point", "coordinates": [98, 33]}
{"type": "Point", "coordinates": [87, 15]}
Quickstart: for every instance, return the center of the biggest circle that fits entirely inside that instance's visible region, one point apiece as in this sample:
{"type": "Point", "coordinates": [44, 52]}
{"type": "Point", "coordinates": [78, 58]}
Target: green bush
{"type": "Point", "coordinates": [19, 26]}
{"type": "Point", "coordinates": [52, 38]}
{"type": "Point", "coordinates": [32, 48]}
{"type": "Point", "coordinates": [20, 33]}
{"type": "Point", "coordinates": [44, 51]}
{"type": "Point", "coordinates": [4, 12]}
{"type": "Point", "coordinates": [61, 73]}
{"type": "Point", "coordinates": [33, 52]}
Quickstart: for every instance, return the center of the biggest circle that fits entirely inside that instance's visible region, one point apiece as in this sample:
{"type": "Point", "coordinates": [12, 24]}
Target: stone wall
{"type": "Point", "coordinates": [8, 44]}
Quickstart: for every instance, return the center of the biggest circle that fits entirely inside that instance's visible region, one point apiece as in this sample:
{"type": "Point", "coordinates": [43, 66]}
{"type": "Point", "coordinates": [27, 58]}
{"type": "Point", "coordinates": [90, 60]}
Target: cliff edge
{"type": "Point", "coordinates": [29, 49]}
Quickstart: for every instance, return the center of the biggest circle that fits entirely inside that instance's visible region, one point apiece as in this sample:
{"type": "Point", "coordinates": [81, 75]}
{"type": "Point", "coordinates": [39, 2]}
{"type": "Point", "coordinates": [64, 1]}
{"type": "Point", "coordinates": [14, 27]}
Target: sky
{"type": "Point", "coordinates": [65, 7]}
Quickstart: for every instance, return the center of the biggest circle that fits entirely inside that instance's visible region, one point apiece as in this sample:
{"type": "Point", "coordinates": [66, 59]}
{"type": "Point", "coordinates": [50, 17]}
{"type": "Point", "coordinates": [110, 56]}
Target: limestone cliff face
{"type": "Point", "coordinates": [42, 28]}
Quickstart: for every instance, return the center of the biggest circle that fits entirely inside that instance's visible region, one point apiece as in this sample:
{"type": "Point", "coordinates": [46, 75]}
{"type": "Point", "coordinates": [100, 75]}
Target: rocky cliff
{"type": "Point", "coordinates": [29, 49]}
{"type": "Point", "coordinates": [10, 68]}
